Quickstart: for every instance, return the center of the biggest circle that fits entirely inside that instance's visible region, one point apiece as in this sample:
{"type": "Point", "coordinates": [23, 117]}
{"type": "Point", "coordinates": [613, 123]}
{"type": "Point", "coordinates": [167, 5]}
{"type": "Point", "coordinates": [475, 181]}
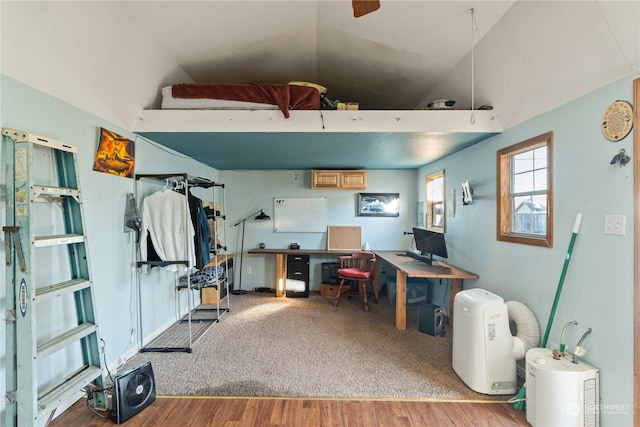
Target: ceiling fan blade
{"type": "Point", "coordinates": [362, 7]}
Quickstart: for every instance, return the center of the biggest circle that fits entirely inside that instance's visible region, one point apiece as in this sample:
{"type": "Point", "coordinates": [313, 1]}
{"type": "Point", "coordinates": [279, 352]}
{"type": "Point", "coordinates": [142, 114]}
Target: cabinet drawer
{"type": "Point", "coordinates": [297, 262]}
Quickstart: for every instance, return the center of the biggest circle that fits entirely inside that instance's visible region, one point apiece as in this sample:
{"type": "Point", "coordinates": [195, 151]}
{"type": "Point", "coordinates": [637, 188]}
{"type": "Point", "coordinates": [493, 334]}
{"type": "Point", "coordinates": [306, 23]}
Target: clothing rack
{"type": "Point", "coordinates": [182, 335]}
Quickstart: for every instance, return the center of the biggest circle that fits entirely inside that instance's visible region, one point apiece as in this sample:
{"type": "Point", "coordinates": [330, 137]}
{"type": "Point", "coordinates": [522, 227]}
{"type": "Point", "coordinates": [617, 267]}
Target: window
{"type": "Point", "coordinates": [435, 202]}
{"type": "Point", "coordinates": [525, 192]}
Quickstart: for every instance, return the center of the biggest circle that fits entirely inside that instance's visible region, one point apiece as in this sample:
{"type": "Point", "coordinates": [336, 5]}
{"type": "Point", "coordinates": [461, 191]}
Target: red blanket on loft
{"type": "Point", "coordinates": [286, 97]}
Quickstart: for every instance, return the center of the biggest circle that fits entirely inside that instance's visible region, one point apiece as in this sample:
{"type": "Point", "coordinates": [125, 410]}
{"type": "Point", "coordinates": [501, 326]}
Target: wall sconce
{"type": "Point", "coordinates": [467, 193]}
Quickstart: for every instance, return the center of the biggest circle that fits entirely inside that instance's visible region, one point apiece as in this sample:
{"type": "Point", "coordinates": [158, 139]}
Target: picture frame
{"type": "Point", "coordinates": [378, 204]}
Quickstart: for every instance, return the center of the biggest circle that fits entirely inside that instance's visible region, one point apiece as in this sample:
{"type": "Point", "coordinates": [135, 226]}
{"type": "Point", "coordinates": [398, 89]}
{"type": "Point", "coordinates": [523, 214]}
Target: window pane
{"type": "Point", "coordinates": [435, 189]}
{"type": "Point", "coordinates": [435, 202]}
{"type": "Point", "coordinates": [523, 162]}
{"type": "Point", "coordinates": [540, 157]}
{"type": "Point", "coordinates": [523, 182]}
{"type": "Point", "coordinates": [540, 180]}
{"type": "Point", "coordinates": [530, 215]}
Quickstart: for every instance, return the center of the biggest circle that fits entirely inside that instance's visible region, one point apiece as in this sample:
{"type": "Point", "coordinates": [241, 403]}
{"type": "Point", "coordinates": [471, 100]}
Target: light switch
{"type": "Point", "coordinates": [614, 224]}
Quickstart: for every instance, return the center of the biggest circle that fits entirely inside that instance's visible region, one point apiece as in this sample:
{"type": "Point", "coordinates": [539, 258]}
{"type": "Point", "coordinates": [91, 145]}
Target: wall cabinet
{"type": "Point", "coordinates": [339, 179]}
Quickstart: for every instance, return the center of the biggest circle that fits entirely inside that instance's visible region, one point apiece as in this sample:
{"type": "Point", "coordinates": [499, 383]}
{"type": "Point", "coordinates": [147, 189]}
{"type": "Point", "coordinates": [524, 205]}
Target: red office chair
{"type": "Point", "coordinates": [360, 268]}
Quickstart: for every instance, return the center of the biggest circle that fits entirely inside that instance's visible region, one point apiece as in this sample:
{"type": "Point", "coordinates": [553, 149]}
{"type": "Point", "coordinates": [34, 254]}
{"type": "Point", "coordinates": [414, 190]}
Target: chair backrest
{"type": "Point", "coordinates": [364, 261]}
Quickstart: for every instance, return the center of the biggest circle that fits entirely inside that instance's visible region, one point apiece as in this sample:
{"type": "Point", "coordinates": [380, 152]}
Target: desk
{"type": "Point", "coordinates": [281, 262]}
{"type": "Point", "coordinates": [408, 267]}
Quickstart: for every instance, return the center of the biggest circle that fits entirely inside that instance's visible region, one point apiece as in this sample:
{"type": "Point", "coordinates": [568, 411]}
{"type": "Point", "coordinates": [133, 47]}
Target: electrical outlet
{"type": "Point", "coordinates": [248, 269]}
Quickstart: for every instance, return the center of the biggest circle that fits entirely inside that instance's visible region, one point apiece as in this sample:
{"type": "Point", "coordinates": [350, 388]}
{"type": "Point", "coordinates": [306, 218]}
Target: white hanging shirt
{"type": "Point", "coordinates": [166, 219]}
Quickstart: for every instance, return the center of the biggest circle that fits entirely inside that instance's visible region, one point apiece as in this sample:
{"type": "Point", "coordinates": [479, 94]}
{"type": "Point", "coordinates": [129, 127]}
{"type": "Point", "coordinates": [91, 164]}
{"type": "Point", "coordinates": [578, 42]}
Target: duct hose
{"type": "Point", "coordinates": [527, 329]}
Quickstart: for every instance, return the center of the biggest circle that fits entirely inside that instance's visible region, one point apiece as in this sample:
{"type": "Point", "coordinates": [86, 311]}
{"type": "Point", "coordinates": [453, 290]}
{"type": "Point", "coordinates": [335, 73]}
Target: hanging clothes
{"type": "Point", "coordinates": [166, 224]}
{"type": "Point", "coordinates": [201, 228]}
{"type": "Point", "coordinates": [204, 234]}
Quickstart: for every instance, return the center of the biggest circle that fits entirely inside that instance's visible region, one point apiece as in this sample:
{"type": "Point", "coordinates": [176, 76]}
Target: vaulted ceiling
{"type": "Point", "coordinates": [112, 59]}
{"type": "Point", "coordinates": [389, 59]}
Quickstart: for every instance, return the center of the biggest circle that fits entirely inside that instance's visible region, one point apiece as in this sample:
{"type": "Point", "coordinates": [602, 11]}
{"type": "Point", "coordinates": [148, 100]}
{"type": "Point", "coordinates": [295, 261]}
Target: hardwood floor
{"type": "Point", "coordinates": [227, 412]}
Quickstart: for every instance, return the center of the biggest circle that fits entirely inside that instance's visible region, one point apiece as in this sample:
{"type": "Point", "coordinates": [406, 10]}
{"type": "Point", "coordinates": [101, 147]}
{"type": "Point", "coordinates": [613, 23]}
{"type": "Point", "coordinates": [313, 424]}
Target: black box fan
{"type": "Point", "coordinates": [133, 391]}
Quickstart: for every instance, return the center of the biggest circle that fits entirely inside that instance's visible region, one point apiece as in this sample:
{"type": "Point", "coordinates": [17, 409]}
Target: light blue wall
{"type": "Point", "coordinates": [248, 191]}
{"type": "Point", "coordinates": [104, 196]}
{"type": "Point", "coordinates": [598, 289]}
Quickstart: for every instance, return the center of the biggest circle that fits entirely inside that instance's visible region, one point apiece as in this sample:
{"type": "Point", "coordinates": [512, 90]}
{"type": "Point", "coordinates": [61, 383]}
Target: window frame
{"type": "Point", "coordinates": [504, 195]}
{"type": "Point", "coordinates": [429, 220]}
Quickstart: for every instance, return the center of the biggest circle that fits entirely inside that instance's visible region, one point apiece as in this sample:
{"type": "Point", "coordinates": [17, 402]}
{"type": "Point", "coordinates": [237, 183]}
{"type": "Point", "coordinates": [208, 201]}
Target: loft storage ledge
{"type": "Point", "coordinates": [428, 121]}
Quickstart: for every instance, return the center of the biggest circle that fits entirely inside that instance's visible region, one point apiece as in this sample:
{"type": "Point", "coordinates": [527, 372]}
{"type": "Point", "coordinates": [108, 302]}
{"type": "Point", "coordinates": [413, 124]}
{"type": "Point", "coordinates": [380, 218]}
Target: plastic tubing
{"type": "Point", "coordinates": [527, 328]}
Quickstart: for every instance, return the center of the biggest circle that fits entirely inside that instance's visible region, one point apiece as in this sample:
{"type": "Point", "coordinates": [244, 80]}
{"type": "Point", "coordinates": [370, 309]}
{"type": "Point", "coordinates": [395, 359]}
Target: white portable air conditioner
{"type": "Point", "coordinates": [561, 392]}
{"type": "Point", "coordinates": [482, 343]}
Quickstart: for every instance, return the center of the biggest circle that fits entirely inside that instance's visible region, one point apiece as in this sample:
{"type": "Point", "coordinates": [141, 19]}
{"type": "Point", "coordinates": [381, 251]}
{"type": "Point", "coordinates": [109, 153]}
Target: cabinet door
{"type": "Point", "coordinates": [325, 179]}
{"type": "Point", "coordinates": [353, 180]}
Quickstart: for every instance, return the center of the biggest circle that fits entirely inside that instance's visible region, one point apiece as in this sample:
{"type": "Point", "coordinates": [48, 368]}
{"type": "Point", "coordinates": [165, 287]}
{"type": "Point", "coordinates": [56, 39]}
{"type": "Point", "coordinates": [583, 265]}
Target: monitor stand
{"type": "Point", "coordinates": [427, 259]}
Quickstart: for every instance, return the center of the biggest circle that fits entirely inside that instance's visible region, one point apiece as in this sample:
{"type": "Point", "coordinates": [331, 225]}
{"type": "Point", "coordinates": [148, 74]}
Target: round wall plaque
{"type": "Point", "coordinates": [617, 121]}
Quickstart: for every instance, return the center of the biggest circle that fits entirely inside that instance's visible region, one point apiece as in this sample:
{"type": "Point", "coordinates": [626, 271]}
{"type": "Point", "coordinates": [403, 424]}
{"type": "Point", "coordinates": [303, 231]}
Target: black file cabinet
{"type": "Point", "coordinates": [298, 269]}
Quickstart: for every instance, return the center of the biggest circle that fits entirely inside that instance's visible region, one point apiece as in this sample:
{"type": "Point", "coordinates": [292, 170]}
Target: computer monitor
{"type": "Point", "coordinates": [430, 244]}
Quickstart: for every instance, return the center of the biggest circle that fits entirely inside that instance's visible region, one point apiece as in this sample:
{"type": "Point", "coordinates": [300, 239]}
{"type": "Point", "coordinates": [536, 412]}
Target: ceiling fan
{"type": "Point", "coordinates": [362, 7]}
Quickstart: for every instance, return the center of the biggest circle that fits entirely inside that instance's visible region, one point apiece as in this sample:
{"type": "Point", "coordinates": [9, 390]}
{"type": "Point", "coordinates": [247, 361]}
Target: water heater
{"type": "Point", "coordinates": [561, 392]}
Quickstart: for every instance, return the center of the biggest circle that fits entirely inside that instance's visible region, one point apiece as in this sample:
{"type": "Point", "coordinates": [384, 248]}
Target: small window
{"type": "Point", "coordinates": [525, 192]}
{"type": "Point", "coordinates": [435, 202]}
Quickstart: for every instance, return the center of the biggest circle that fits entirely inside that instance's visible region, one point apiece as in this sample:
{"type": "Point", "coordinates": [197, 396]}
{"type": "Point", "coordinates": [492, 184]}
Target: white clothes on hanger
{"type": "Point", "coordinates": [167, 220]}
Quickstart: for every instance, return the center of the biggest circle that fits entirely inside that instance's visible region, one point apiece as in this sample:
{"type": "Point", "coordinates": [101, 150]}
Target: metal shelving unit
{"type": "Point", "coordinates": [183, 335]}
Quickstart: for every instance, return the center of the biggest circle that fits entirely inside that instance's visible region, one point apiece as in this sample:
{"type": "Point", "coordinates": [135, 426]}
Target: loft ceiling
{"type": "Point", "coordinates": [389, 59]}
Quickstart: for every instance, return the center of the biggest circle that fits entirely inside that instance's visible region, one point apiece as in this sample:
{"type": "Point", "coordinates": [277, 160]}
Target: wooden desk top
{"type": "Point", "coordinates": [415, 268]}
{"type": "Point", "coordinates": [300, 251]}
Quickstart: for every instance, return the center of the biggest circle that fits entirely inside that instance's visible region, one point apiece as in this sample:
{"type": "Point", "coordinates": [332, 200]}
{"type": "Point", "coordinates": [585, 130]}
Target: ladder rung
{"type": "Point", "coordinates": [60, 289]}
{"type": "Point", "coordinates": [44, 191]}
{"type": "Point", "coordinates": [23, 136]}
{"type": "Point", "coordinates": [60, 239]}
{"type": "Point", "coordinates": [71, 336]}
{"type": "Point", "coordinates": [68, 387]}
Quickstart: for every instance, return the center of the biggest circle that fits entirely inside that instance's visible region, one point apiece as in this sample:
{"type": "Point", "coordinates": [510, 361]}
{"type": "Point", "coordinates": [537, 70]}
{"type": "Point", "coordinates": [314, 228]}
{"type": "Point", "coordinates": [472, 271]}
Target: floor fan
{"type": "Point", "coordinates": [133, 391]}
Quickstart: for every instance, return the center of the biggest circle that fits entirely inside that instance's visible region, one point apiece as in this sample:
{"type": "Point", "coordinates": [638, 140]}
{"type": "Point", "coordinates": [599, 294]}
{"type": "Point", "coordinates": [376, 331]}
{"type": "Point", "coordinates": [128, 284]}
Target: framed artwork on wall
{"type": "Point", "coordinates": [378, 204]}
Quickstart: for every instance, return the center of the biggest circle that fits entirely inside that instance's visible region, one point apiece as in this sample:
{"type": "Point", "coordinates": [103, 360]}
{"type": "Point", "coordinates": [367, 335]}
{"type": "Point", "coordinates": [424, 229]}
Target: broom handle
{"type": "Point", "coordinates": [574, 233]}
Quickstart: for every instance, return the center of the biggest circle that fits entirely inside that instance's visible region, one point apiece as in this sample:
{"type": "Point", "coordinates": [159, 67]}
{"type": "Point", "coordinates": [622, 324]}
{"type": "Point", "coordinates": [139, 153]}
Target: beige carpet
{"type": "Point", "coordinates": [267, 346]}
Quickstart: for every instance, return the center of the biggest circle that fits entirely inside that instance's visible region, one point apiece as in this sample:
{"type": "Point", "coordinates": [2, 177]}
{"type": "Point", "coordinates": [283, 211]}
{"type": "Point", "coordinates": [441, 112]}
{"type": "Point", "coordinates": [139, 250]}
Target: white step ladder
{"type": "Point", "coordinates": [30, 339]}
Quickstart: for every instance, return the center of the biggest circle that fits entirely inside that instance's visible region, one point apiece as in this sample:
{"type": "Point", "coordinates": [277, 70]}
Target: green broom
{"type": "Point", "coordinates": [519, 401]}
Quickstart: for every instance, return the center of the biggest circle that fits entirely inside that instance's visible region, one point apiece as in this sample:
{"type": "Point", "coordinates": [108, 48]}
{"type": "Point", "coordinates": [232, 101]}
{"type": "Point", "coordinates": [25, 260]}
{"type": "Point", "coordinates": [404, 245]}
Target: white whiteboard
{"type": "Point", "coordinates": [300, 214]}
